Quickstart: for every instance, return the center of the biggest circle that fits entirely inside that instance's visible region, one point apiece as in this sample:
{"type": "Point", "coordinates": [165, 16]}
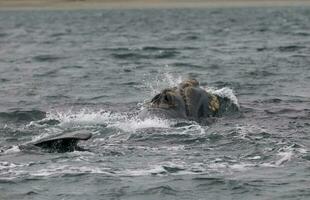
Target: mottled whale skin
{"type": "Point", "coordinates": [60, 143]}
{"type": "Point", "coordinates": [188, 101]}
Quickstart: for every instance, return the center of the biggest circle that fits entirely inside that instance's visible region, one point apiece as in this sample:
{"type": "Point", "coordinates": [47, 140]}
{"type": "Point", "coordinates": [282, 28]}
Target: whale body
{"type": "Point", "coordinates": [188, 101]}
{"type": "Point", "coordinates": [185, 101]}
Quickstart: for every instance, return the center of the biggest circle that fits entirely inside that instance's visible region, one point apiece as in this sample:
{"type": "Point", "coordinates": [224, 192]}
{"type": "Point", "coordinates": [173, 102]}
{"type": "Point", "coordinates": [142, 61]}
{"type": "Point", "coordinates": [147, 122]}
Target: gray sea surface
{"type": "Point", "coordinates": [94, 69]}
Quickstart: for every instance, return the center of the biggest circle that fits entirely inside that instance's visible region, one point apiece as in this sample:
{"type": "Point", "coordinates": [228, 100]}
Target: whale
{"type": "Point", "coordinates": [188, 101]}
{"type": "Point", "coordinates": [59, 143]}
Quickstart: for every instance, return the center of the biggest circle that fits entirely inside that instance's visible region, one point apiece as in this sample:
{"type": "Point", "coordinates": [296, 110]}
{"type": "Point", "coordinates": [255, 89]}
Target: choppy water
{"type": "Point", "coordinates": [94, 69]}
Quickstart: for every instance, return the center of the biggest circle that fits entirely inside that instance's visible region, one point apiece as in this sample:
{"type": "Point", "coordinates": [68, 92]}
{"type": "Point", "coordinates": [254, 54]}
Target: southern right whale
{"type": "Point", "coordinates": [188, 101]}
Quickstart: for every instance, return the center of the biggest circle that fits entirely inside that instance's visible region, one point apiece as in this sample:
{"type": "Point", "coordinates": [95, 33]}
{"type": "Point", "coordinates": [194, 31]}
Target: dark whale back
{"type": "Point", "coordinates": [60, 143]}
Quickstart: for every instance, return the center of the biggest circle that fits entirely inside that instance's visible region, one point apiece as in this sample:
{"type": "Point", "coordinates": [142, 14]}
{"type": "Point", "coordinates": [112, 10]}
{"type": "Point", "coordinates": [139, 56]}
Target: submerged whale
{"type": "Point", "coordinates": [60, 143]}
{"type": "Point", "coordinates": [188, 101]}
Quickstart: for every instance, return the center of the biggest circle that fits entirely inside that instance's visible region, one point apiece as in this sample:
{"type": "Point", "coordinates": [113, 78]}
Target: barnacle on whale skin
{"type": "Point", "coordinates": [214, 103]}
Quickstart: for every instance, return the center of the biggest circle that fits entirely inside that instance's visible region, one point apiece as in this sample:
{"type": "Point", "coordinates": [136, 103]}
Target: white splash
{"type": "Point", "coordinates": [143, 172]}
{"type": "Point", "coordinates": [133, 124]}
{"type": "Point", "coordinates": [242, 166]}
{"type": "Point", "coordinates": [84, 117]}
{"type": "Point", "coordinates": [224, 92]}
{"type": "Point", "coordinates": [284, 157]}
{"type": "Point", "coordinates": [12, 149]}
{"type": "Point", "coordinates": [120, 121]}
{"type": "Point", "coordinates": [162, 81]}
{"type": "Point", "coordinates": [227, 167]}
{"type": "Point", "coordinates": [168, 80]}
{"type": "Point", "coordinates": [6, 165]}
{"type": "Point", "coordinates": [255, 158]}
{"type": "Point", "coordinates": [56, 170]}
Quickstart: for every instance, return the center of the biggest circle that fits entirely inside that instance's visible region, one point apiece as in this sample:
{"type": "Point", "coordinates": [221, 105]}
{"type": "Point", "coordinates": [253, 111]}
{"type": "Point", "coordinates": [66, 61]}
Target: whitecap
{"type": "Point", "coordinates": [254, 158]}
{"type": "Point", "coordinates": [285, 157]}
{"type": "Point", "coordinates": [227, 167]}
{"type": "Point", "coordinates": [192, 129]}
{"type": "Point", "coordinates": [242, 166]}
{"type": "Point", "coordinates": [155, 170]}
{"type": "Point", "coordinates": [12, 149]}
{"type": "Point", "coordinates": [56, 170]}
{"type": "Point", "coordinates": [7, 165]}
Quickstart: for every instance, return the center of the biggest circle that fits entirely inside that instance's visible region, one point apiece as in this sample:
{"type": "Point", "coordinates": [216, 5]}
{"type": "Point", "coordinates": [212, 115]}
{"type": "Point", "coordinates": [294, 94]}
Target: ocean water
{"type": "Point", "coordinates": [94, 69]}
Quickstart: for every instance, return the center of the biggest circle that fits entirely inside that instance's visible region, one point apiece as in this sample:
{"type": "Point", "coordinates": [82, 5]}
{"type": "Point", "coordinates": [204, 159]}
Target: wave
{"type": "Point", "coordinates": [145, 52]}
{"type": "Point", "coordinates": [163, 54]}
{"type": "Point", "coordinates": [23, 116]}
{"type": "Point", "coordinates": [162, 190]}
{"type": "Point", "coordinates": [3, 35]}
{"type": "Point", "coordinates": [66, 67]}
{"type": "Point", "coordinates": [10, 150]}
{"type": "Point", "coordinates": [47, 58]}
{"type": "Point", "coordinates": [50, 73]}
{"type": "Point", "coordinates": [143, 48]}
{"type": "Point", "coordinates": [259, 73]}
{"type": "Point", "coordinates": [65, 170]}
{"type": "Point", "coordinates": [187, 65]}
{"type": "Point", "coordinates": [290, 48]}
{"type": "Point", "coordinates": [80, 166]}
{"type": "Point", "coordinates": [271, 100]}
{"type": "Point", "coordinates": [154, 48]}
{"type": "Point", "coordinates": [284, 48]}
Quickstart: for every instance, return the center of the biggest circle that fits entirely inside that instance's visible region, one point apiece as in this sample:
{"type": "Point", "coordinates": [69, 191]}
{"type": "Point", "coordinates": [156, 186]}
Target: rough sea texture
{"type": "Point", "coordinates": [93, 70]}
